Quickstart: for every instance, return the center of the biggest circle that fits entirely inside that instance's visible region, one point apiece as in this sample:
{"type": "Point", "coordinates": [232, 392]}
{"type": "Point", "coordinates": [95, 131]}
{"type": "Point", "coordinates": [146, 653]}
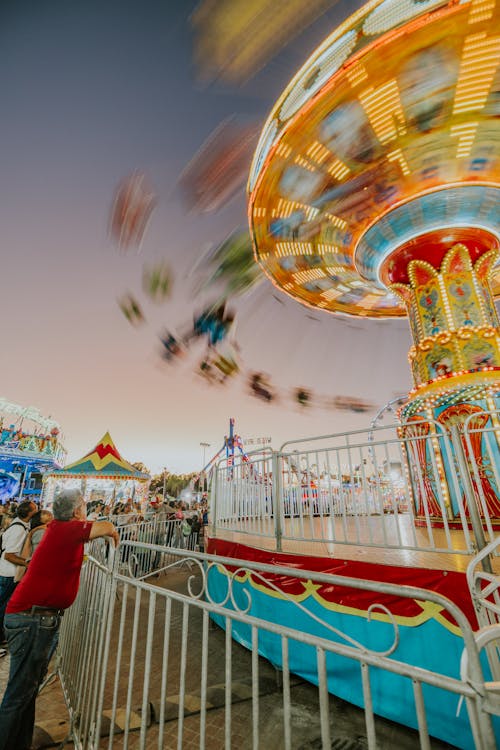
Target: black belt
{"type": "Point", "coordinates": [42, 611]}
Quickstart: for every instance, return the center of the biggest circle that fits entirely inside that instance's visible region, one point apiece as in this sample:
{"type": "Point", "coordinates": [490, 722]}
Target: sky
{"type": "Point", "coordinates": [92, 91]}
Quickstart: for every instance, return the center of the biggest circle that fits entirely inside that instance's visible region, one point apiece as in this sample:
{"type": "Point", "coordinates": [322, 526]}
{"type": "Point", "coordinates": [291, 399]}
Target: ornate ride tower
{"type": "Point", "coordinates": [375, 191]}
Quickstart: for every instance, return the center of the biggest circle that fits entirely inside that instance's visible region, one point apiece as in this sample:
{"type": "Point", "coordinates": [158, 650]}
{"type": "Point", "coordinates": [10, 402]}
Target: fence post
{"type": "Point", "coordinates": [277, 499]}
{"type": "Point", "coordinates": [213, 499]}
{"type": "Point", "coordinates": [468, 487]}
{"type": "Point", "coordinates": [107, 615]}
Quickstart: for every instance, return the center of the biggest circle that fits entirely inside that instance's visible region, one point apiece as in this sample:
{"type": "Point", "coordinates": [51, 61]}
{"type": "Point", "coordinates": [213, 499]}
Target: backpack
{"type": "Point", "coordinates": [14, 523]}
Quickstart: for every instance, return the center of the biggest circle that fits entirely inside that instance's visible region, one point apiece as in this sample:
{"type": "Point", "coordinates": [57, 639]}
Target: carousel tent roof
{"type": "Point", "coordinates": [103, 461]}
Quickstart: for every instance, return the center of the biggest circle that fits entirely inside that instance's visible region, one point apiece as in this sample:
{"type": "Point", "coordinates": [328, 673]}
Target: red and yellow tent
{"type": "Point", "coordinates": [102, 473]}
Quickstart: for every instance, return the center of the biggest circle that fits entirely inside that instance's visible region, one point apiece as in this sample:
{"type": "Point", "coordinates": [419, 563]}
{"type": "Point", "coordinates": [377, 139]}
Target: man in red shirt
{"type": "Point", "coordinates": [34, 611]}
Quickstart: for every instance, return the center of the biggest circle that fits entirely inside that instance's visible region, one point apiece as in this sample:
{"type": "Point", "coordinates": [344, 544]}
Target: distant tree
{"type": "Point", "coordinates": [174, 483]}
{"type": "Point", "coordinates": [141, 467]}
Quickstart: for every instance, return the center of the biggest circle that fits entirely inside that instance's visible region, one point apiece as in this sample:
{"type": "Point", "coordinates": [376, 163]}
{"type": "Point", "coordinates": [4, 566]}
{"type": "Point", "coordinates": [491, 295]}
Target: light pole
{"type": "Point", "coordinates": [204, 446]}
{"type": "Point", "coordinates": [164, 481]}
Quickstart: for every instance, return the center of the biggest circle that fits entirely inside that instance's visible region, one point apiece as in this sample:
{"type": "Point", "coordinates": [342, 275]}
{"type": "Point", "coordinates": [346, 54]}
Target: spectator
{"type": "Point", "coordinates": [34, 611]}
{"type": "Point", "coordinates": [4, 519]}
{"type": "Point", "coordinates": [38, 524]}
{"type": "Point", "coordinates": [95, 511]}
{"type": "Point", "coordinates": [195, 530]}
{"type": "Point", "coordinates": [12, 544]}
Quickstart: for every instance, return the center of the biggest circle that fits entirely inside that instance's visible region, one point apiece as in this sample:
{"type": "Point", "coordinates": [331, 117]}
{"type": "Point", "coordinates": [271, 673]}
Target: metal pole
{"type": "Point", "coordinates": [204, 446]}
{"type": "Point", "coordinates": [276, 499]}
{"type": "Point", "coordinates": [466, 483]}
{"type": "Point", "coordinates": [25, 472]}
{"type": "Point", "coordinates": [164, 481]}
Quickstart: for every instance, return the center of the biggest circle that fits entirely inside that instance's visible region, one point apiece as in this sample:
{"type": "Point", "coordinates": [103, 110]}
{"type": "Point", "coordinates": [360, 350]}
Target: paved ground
{"type": "Point", "coordinates": [346, 721]}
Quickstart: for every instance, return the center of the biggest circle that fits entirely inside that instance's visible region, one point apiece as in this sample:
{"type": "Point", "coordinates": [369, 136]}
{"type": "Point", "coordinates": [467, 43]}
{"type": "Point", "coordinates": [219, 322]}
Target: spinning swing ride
{"type": "Point", "coordinates": [374, 192]}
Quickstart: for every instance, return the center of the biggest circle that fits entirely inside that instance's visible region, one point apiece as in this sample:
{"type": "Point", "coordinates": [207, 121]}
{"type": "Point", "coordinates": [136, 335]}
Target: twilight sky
{"type": "Point", "coordinates": [90, 92]}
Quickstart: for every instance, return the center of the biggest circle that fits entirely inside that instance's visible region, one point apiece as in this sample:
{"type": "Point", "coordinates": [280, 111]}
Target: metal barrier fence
{"type": "Point", "coordinates": [168, 533]}
{"type": "Point", "coordinates": [484, 587]}
{"type": "Point", "coordinates": [398, 487]}
{"type": "Point", "coordinates": [160, 531]}
{"type": "Point", "coordinates": [142, 665]}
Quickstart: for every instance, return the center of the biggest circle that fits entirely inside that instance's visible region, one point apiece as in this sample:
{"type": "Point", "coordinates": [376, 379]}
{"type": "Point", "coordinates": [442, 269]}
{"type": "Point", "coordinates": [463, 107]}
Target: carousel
{"type": "Point", "coordinates": [375, 192]}
{"type": "Point", "coordinates": [101, 475]}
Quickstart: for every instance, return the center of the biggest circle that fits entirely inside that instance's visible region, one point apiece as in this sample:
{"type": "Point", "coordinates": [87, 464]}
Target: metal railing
{"type": "Point", "coordinates": [398, 487]}
{"type": "Point", "coordinates": [142, 666]}
{"type": "Point", "coordinates": [170, 534]}
{"type": "Point", "coordinates": [484, 587]}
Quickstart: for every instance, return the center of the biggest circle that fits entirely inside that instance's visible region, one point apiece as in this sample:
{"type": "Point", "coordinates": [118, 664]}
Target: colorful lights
{"type": "Point", "coordinates": [338, 170]}
{"type": "Point", "coordinates": [302, 162]}
{"type": "Point", "coordinates": [293, 248]}
{"type": "Point", "coordinates": [336, 221]}
{"type": "Point", "coordinates": [323, 249]}
{"type": "Point", "coordinates": [301, 277]}
{"type": "Point", "coordinates": [465, 134]}
{"type": "Point", "coordinates": [394, 141]}
{"type": "Point", "coordinates": [480, 60]}
{"type": "Point", "coordinates": [481, 10]}
{"type": "Point", "coordinates": [318, 153]}
{"type": "Point", "coordinates": [384, 110]}
{"type": "Point", "coordinates": [286, 208]}
{"type": "Point", "coordinates": [397, 156]}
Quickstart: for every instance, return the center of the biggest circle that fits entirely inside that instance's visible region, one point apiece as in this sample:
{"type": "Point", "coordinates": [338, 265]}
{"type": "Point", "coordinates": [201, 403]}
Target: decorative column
{"type": "Point", "coordinates": [455, 360]}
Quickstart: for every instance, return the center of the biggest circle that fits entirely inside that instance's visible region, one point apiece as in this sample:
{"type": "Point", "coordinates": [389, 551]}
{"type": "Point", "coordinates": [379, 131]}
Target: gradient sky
{"type": "Point", "coordinates": [90, 92]}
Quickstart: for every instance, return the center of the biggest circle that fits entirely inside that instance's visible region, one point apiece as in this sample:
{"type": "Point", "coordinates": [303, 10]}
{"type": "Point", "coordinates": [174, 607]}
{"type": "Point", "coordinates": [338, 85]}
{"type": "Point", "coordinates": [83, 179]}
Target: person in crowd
{"type": "Point", "coordinates": [170, 524]}
{"type": "Point", "coordinates": [12, 544]}
{"type": "Point", "coordinates": [195, 530]}
{"type": "Point", "coordinates": [35, 609]}
{"type": "Point", "coordinates": [3, 517]}
{"type": "Point", "coordinates": [184, 533]}
{"type": "Point", "coordinates": [203, 527]}
{"type": "Point", "coordinates": [38, 524]}
{"type": "Point", "coordinates": [12, 509]}
{"type": "Point", "coordinates": [95, 511]}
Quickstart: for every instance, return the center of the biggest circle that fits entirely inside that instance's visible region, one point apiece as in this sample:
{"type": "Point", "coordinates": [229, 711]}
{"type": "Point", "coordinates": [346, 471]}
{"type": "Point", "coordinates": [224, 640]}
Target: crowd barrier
{"type": "Point", "coordinates": [393, 487]}
{"type": "Point", "coordinates": [169, 534]}
{"type": "Point", "coordinates": [142, 664]}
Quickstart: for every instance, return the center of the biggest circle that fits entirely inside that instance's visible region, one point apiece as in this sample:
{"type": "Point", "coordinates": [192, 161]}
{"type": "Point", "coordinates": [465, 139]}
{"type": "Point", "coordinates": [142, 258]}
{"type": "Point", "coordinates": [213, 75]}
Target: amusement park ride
{"type": "Point", "coordinates": [375, 192]}
{"type": "Point", "coordinates": [29, 447]}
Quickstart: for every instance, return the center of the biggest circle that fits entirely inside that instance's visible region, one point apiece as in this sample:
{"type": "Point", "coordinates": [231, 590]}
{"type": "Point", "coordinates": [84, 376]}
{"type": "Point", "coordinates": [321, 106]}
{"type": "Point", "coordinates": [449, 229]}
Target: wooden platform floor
{"type": "Point", "coordinates": [311, 537]}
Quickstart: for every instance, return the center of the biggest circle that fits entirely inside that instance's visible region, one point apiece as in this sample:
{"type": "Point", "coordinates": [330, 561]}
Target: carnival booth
{"type": "Point", "coordinates": [30, 445]}
{"type": "Point", "coordinates": [101, 475]}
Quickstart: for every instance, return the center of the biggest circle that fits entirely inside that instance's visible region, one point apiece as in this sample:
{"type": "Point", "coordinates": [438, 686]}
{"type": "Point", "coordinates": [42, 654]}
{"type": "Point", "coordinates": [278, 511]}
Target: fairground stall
{"type": "Point", "coordinates": [101, 475]}
{"type": "Point", "coordinates": [30, 446]}
{"type": "Point", "coordinates": [375, 192]}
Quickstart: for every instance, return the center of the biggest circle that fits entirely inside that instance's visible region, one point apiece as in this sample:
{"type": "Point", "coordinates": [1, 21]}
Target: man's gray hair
{"type": "Point", "coordinates": [65, 504]}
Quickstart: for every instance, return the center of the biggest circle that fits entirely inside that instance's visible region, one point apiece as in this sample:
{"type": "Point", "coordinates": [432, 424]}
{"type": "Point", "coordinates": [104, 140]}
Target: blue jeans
{"type": "Point", "coordinates": [30, 638]}
{"type": "Point", "coordinates": [7, 586]}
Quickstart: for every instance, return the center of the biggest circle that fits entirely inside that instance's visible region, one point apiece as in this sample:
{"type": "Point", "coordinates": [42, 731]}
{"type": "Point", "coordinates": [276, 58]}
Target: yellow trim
{"type": "Point", "coordinates": [430, 610]}
{"type": "Point", "coordinates": [445, 383]}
